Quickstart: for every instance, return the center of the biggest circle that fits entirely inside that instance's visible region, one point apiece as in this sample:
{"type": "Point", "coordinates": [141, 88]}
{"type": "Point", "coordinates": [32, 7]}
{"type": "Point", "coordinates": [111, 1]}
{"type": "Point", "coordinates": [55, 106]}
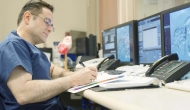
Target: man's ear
{"type": "Point", "coordinates": [27, 17]}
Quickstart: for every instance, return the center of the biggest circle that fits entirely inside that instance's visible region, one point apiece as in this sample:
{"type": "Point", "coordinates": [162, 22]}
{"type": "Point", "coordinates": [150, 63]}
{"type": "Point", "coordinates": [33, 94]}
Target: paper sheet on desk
{"type": "Point", "coordinates": [101, 79]}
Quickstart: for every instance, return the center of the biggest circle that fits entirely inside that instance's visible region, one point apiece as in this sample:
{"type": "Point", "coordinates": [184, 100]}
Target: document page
{"type": "Point", "coordinates": [101, 78]}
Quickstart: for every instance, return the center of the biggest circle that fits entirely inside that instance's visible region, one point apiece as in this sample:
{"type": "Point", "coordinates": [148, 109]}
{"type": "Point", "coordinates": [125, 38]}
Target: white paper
{"type": "Point", "coordinates": [100, 80]}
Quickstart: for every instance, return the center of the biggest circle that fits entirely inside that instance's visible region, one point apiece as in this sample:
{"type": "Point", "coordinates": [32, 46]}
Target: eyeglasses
{"type": "Point", "coordinates": [46, 20]}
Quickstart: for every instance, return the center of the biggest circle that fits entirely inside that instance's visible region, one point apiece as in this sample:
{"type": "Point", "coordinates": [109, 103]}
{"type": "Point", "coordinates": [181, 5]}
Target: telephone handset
{"type": "Point", "coordinates": [109, 63]}
{"type": "Point", "coordinates": [156, 64]}
{"type": "Point", "coordinates": [168, 68]}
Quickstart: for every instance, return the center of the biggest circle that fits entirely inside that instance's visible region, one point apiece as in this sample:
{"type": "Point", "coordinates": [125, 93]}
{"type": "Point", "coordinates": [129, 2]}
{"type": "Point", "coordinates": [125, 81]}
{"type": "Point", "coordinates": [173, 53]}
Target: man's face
{"type": "Point", "coordinates": [41, 26]}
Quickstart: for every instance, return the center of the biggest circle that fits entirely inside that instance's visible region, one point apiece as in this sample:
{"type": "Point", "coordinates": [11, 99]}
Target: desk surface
{"type": "Point", "coordinates": [141, 99]}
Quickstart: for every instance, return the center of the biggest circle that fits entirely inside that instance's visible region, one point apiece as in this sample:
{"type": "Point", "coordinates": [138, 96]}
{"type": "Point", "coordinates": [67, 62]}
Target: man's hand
{"type": "Point", "coordinates": [85, 76]}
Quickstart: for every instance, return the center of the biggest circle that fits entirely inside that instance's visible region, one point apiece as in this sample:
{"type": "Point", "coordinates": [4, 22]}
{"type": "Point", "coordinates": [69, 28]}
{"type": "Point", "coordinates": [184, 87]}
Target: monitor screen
{"type": "Point", "coordinates": [176, 31]}
{"type": "Point", "coordinates": [127, 42]}
{"type": "Point", "coordinates": [109, 42]}
{"type": "Point", "coordinates": [149, 39]}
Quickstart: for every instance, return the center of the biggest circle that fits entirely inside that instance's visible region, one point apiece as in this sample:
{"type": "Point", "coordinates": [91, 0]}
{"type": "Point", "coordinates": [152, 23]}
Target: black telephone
{"type": "Point", "coordinates": [168, 68]}
{"type": "Point", "coordinates": [109, 63]}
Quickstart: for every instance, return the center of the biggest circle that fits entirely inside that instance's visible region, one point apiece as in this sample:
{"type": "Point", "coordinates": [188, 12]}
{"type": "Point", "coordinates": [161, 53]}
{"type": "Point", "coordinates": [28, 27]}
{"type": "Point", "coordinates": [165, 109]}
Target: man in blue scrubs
{"type": "Point", "coordinates": [28, 81]}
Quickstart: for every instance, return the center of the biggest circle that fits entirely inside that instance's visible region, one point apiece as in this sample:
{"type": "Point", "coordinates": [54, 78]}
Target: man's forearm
{"type": "Point", "coordinates": [57, 72]}
{"type": "Point", "coordinates": [40, 90]}
{"type": "Point", "coordinates": [68, 73]}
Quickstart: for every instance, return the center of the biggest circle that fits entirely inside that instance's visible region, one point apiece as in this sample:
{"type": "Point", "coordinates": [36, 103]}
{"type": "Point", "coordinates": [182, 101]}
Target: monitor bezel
{"type": "Point", "coordinates": [156, 14]}
{"type": "Point", "coordinates": [134, 34]}
{"type": "Point", "coordinates": [177, 8]}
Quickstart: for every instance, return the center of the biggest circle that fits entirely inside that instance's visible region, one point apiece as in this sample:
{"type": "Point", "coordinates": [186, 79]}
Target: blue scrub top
{"type": "Point", "coordinates": [15, 51]}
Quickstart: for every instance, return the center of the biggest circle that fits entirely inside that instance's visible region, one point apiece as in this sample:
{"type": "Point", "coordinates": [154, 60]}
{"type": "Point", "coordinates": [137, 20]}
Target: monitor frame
{"type": "Point", "coordinates": [177, 8]}
{"type": "Point", "coordinates": [134, 55]}
{"type": "Point", "coordinates": [156, 14]}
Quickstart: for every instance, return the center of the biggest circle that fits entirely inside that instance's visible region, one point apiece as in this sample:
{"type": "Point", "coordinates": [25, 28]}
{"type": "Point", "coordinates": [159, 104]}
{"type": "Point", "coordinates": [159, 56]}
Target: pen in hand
{"type": "Point", "coordinates": [81, 63]}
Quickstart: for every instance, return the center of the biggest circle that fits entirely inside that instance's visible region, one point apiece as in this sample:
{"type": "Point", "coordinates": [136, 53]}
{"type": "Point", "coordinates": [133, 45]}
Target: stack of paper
{"type": "Point", "coordinates": [101, 79]}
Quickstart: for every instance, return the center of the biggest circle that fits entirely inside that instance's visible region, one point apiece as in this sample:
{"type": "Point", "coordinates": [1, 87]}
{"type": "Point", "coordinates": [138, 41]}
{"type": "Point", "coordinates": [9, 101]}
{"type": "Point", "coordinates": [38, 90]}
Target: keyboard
{"type": "Point", "coordinates": [130, 81]}
{"type": "Point", "coordinates": [135, 70]}
{"type": "Point", "coordinates": [183, 85]}
{"type": "Point", "coordinates": [114, 72]}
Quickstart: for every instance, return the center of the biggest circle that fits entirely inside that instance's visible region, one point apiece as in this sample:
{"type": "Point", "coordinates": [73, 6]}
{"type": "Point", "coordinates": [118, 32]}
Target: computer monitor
{"type": "Point", "coordinates": [92, 45]}
{"type": "Point", "coordinates": [176, 31]}
{"type": "Point", "coordinates": [149, 39]}
{"type": "Point", "coordinates": [126, 37]}
{"type": "Point", "coordinates": [109, 42]}
{"type": "Point", "coordinates": [82, 47]}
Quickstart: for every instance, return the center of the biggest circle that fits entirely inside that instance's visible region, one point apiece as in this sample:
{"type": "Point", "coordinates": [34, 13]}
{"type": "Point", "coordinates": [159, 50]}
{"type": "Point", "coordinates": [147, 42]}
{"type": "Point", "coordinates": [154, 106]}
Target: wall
{"type": "Point", "coordinates": [126, 9]}
{"type": "Point", "coordinates": [108, 15]}
{"type": "Point", "coordinates": [146, 8]}
{"type": "Point", "coordinates": [114, 12]}
{"type": "Point", "coordinates": [92, 18]}
{"type": "Point", "coordinates": [85, 15]}
{"type": "Point", "coordinates": [68, 15]}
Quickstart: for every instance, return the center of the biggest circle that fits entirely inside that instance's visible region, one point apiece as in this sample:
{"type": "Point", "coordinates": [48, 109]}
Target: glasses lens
{"type": "Point", "coordinates": [48, 23]}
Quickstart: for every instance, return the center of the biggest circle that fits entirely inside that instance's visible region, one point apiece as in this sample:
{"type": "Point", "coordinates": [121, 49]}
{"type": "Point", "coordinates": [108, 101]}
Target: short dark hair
{"type": "Point", "coordinates": [34, 6]}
